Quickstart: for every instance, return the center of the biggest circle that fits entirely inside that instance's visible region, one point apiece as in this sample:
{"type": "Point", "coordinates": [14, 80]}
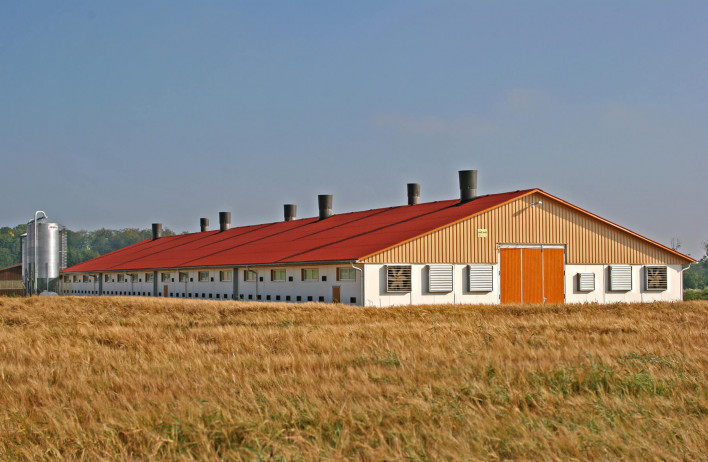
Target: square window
{"type": "Point", "coordinates": [324, 278]}
{"type": "Point", "coordinates": [277, 297]}
{"type": "Point", "coordinates": [352, 300]}
{"type": "Point", "coordinates": [309, 298]}
{"type": "Point", "coordinates": [299, 298]}
{"type": "Point", "coordinates": [183, 277]}
{"type": "Point", "coordinates": [310, 274]}
{"type": "Point", "coordinates": [290, 279]}
{"type": "Point", "coordinates": [346, 274]}
{"type": "Point", "coordinates": [203, 276]}
{"type": "Point", "coordinates": [321, 299]}
{"type": "Point", "coordinates": [267, 297]}
{"type": "Point", "coordinates": [258, 297]}
{"type": "Point", "coordinates": [250, 275]}
{"type": "Point", "coordinates": [287, 298]}
{"type": "Point", "coordinates": [240, 296]}
{"type": "Point", "coordinates": [217, 295]}
{"type": "Point", "coordinates": [225, 276]}
{"type": "Point", "coordinates": [149, 277]}
{"type": "Point", "coordinates": [164, 277]}
{"type": "Point", "coordinates": [277, 275]}
{"type": "Point", "coordinates": [250, 296]}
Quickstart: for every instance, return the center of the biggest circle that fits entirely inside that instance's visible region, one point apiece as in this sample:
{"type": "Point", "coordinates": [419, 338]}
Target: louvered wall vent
{"type": "Point", "coordinates": [398, 278]}
{"type": "Point", "coordinates": [621, 277]}
{"type": "Point", "coordinates": [656, 278]}
{"type": "Point", "coordinates": [481, 278]}
{"type": "Point", "coordinates": [439, 278]}
{"type": "Point", "coordinates": [586, 282]}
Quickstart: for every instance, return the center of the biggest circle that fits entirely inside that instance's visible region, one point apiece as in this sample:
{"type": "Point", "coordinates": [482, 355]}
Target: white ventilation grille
{"type": "Point", "coordinates": [439, 278]}
{"type": "Point", "coordinates": [586, 282]}
{"type": "Point", "coordinates": [481, 278]}
{"type": "Point", "coordinates": [621, 277]}
{"type": "Point", "coordinates": [398, 278]}
{"type": "Point", "coordinates": [656, 278]}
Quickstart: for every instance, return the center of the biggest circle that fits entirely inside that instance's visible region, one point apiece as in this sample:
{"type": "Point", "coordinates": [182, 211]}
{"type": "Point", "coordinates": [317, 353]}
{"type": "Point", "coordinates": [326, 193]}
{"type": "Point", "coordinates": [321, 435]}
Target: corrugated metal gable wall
{"type": "Point", "coordinates": [588, 240]}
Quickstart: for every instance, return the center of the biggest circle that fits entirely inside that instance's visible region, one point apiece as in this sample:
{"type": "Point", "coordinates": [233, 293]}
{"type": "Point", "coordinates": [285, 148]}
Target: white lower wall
{"type": "Point", "coordinates": [262, 289]}
{"type": "Point", "coordinates": [377, 295]}
{"type": "Point", "coordinates": [603, 294]}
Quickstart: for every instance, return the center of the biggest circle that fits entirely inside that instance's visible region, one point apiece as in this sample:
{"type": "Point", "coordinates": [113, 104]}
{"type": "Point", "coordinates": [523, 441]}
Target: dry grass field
{"type": "Point", "coordinates": [131, 378]}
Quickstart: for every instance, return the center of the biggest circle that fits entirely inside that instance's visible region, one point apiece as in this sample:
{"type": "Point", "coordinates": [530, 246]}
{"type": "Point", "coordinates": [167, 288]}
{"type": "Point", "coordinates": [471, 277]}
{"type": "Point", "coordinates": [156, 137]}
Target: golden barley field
{"type": "Point", "coordinates": [121, 378]}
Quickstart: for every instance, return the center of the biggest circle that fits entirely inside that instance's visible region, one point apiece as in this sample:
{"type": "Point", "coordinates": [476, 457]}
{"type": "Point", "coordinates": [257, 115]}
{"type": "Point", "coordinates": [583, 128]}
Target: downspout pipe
{"type": "Point", "coordinates": [684, 269]}
{"type": "Point", "coordinates": [363, 287]}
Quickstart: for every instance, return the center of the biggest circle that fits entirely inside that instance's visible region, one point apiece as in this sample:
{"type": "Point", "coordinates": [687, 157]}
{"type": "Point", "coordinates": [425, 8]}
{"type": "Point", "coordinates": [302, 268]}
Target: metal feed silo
{"type": "Point", "coordinates": [44, 254]}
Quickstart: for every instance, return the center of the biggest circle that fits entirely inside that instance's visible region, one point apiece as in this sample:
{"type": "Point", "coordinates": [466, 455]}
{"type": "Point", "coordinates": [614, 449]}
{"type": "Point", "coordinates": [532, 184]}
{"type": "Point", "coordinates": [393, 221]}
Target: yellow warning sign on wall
{"type": "Point", "coordinates": [482, 232]}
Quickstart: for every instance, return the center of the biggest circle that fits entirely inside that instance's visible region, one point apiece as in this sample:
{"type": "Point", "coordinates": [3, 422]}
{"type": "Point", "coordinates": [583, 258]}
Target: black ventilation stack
{"type": "Point", "coordinates": [290, 212]}
{"type": "Point", "coordinates": [224, 221]}
{"type": "Point", "coordinates": [468, 185]}
{"type": "Point", "coordinates": [325, 203]}
{"type": "Point", "coordinates": [204, 224]}
{"type": "Point", "coordinates": [156, 231]}
{"type": "Point", "coordinates": [413, 193]}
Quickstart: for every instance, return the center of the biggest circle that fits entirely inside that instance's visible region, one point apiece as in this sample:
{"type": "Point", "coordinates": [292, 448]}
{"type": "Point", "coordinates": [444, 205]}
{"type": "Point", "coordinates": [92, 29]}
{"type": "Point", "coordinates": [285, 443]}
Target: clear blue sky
{"type": "Point", "coordinates": [121, 114]}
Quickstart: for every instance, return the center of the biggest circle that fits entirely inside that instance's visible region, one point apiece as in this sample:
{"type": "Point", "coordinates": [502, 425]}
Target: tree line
{"type": "Point", "coordinates": [81, 245]}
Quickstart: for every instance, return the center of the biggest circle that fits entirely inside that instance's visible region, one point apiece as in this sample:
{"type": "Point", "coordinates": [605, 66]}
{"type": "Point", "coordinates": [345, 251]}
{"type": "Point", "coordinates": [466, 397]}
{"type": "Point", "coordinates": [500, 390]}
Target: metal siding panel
{"type": "Point", "coordinates": [587, 240]}
{"type": "Point", "coordinates": [532, 275]}
{"type": "Point", "coordinates": [510, 275]}
{"type": "Point", "coordinates": [553, 280]}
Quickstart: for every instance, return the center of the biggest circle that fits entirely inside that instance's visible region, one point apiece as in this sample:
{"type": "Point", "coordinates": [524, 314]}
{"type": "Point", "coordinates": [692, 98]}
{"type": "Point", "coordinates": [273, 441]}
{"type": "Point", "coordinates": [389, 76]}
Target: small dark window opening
{"type": "Point", "coordinates": [321, 298]}
{"type": "Point", "coordinates": [352, 300]}
{"type": "Point", "coordinates": [258, 297]}
{"type": "Point", "coordinates": [212, 279]}
{"type": "Point", "coordinates": [324, 278]}
{"type": "Point", "coordinates": [277, 298]}
{"type": "Point", "coordinates": [217, 295]}
{"type": "Point", "coordinates": [309, 298]}
{"type": "Point", "coordinates": [191, 279]}
{"type": "Point", "coordinates": [287, 298]}
{"type": "Point", "coordinates": [260, 279]}
{"type": "Point", "coordinates": [240, 296]}
{"type": "Point", "coordinates": [290, 278]}
{"type": "Point", "coordinates": [299, 298]}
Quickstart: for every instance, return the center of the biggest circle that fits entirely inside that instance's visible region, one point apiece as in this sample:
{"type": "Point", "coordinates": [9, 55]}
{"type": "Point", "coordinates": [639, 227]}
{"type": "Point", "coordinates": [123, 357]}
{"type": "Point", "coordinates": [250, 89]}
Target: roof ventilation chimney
{"type": "Point", "coordinates": [325, 203]}
{"type": "Point", "coordinates": [224, 221]}
{"type": "Point", "coordinates": [468, 185]}
{"type": "Point", "coordinates": [413, 193]}
{"type": "Point", "coordinates": [156, 231]}
{"type": "Point", "coordinates": [204, 224]}
{"type": "Point", "coordinates": [290, 212]}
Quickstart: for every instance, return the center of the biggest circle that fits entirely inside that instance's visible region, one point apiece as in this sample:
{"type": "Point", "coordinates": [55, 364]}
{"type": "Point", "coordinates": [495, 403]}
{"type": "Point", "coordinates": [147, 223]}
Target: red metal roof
{"type": "Point", "coordinates": [341, 237]}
